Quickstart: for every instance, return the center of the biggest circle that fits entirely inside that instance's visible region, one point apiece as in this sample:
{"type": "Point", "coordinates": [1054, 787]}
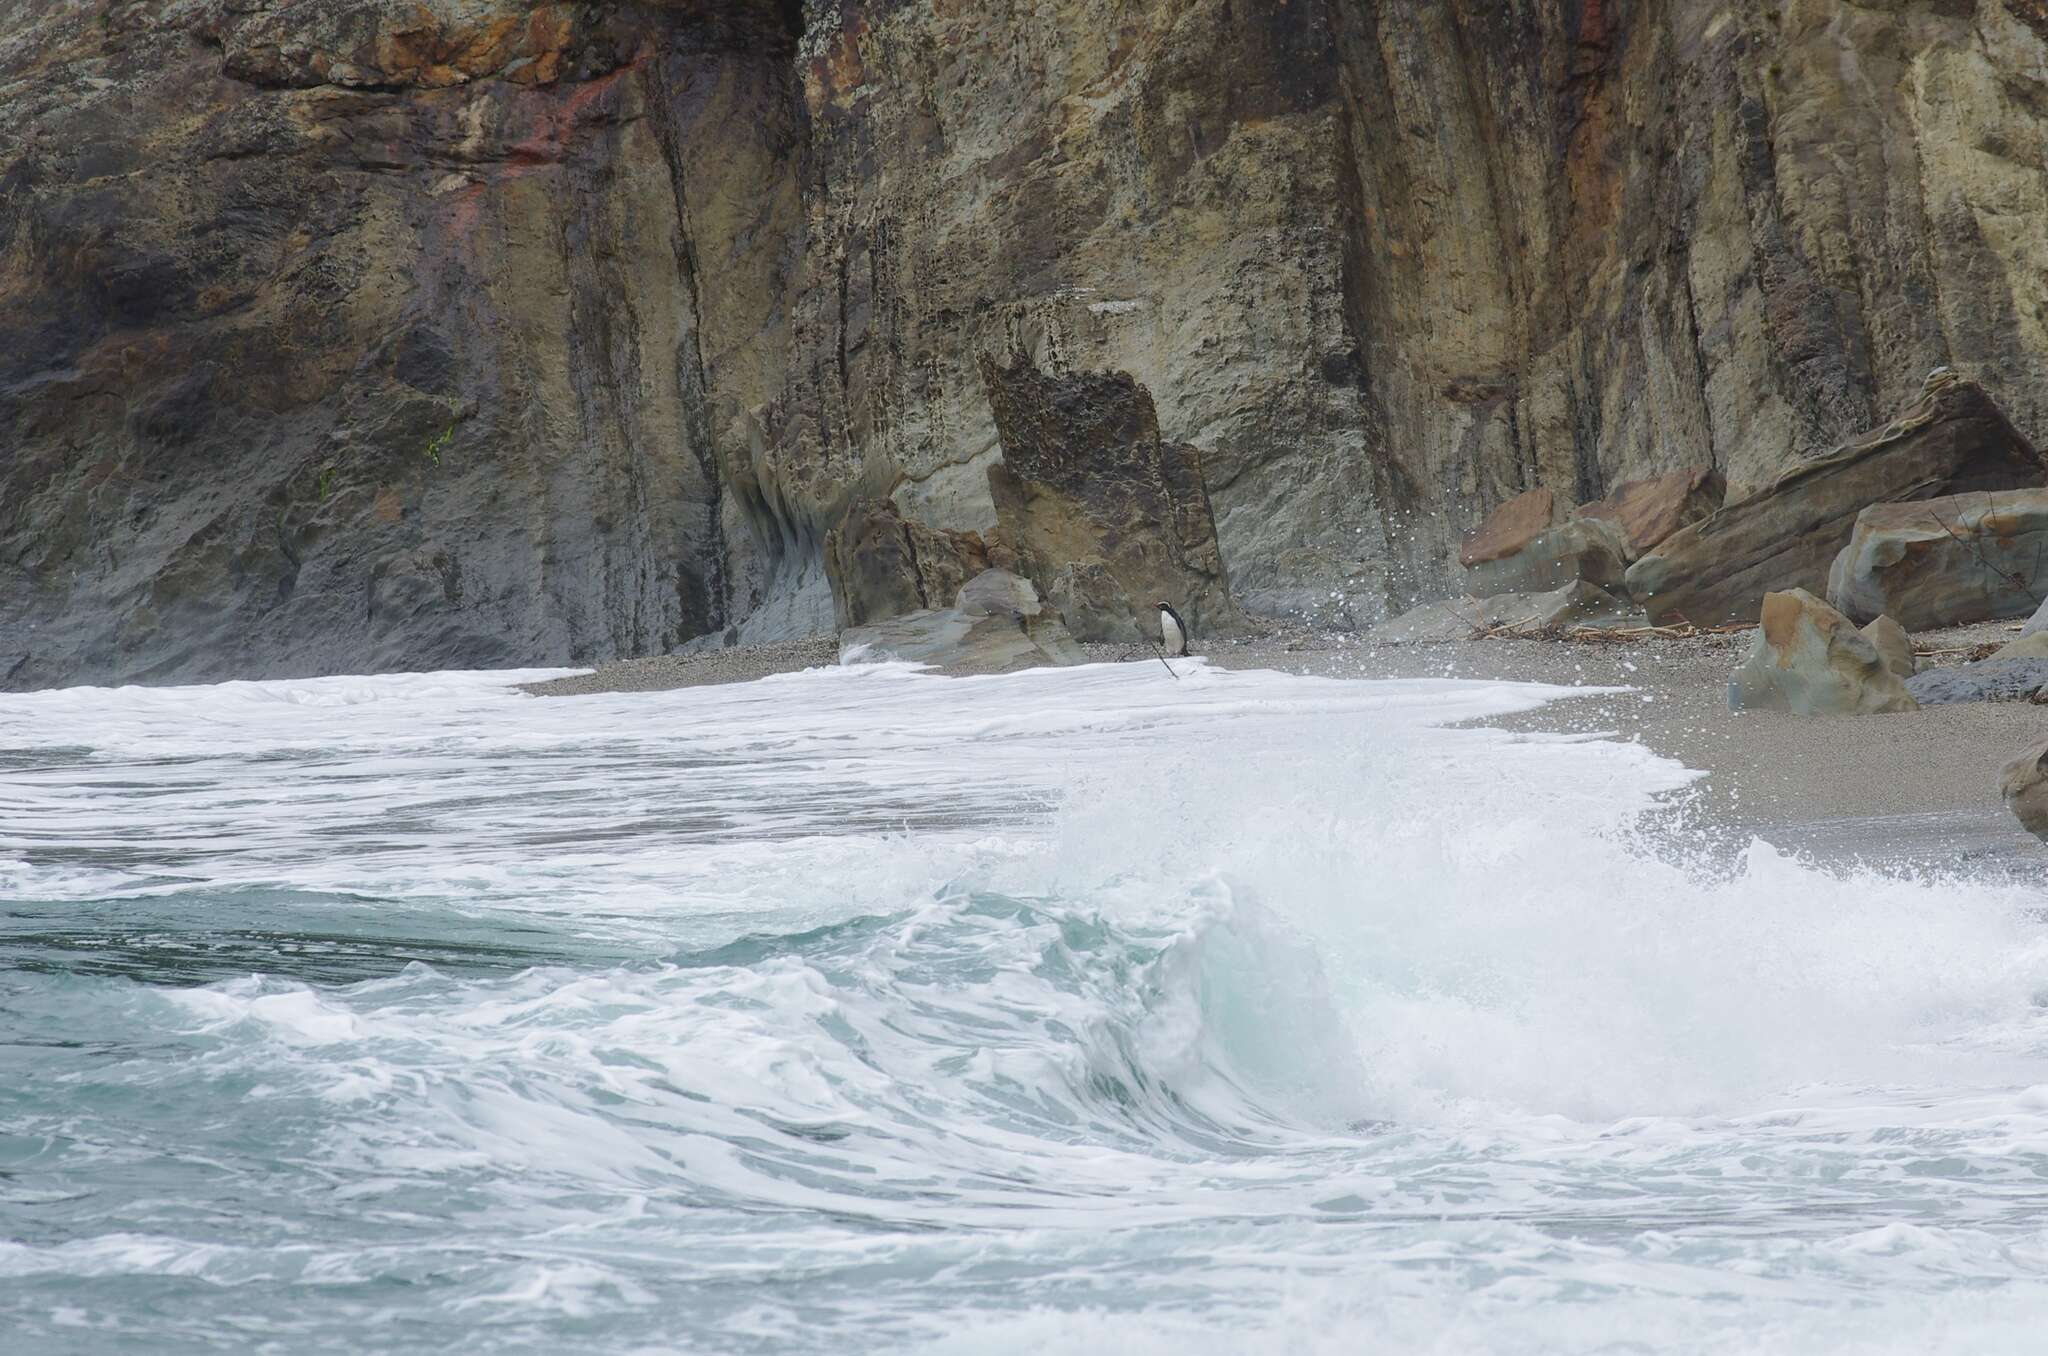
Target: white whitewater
{"type": "Point", "coordinates": [864, 1010]}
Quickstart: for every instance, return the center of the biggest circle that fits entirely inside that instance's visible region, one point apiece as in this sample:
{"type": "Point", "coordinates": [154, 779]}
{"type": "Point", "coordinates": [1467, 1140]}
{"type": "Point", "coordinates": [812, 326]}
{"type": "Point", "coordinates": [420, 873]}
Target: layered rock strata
{"type": "Point", "coordinates": [1953, 441]}
{"type": "Point", "coordinates": [424, 332]}
{"type": "Point", "coordinates": [1947, 561]}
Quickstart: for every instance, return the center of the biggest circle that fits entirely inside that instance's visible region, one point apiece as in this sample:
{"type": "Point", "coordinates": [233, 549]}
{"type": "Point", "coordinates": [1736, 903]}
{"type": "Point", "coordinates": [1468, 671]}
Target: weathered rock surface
{"type": "Point", "coordinates": [1987, 680]}
{"type": "Point", "coordinates": [997, 626]}
{"type": "Point", "coordinates": [1509, 529]}
{"type": "Point", "coordinates": [882, 565]}
{"type": "Point", "coordinates": [998, 593]}
{"type": "Point", "coordinates": [2024, 785]}
{"type": "Point", "coordinates": [338, 337]}
{"type": "Point", "coordinates": [1575, 604]}
{"type": "Point", "coordinates": [418, 332]}
{"type": "Point", "coordinates": [1390, 264]}
{"type": "Point", "coordinates": [1086, 483]}
{"type": "Point", "coordinates": [1649, 511]}
{"type": "Point", "coordinates": [1810, 660]}
{"type": "Point", "coordinates": [1893, 646]}
{"type": "Point", "coordinates": [2034, 646]}
{"type": "Point", "coordinates": [1947, 561]}
{"type": "Point", "coordinates": [1583, 548]}
{"type": "Point", "coordinates": [1953, 440]}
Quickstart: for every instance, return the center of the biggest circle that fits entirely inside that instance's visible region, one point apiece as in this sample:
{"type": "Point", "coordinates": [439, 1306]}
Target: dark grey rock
{"type": "Point", "coordinates": [1989, 680]}
{"type": "Point", "coordinates": [1086, 480]}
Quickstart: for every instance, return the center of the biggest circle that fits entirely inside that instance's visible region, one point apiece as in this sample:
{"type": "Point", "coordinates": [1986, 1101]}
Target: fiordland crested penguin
{"type": "Point", "coordinates": [1172, 630]}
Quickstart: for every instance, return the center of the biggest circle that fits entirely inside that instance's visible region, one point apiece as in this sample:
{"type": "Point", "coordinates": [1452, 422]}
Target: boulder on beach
{"type": "Point", "coordinates": [1510, 528]}
{"type": "Point", "coordinates": [2033, 646]}
{"type": "Point", "coordinates": [1953, 440]}
{"type": "Point", "coordinates": [997, 625]}
{"type": "Point", "coordinates": [2036, 623]}
{"type": "Point", "coordinates": [1575, 604]}
{"type": "Point", "coordinates": [1987, 680]}
{"type": "Point", "coordinates": [1894, 646]}
{"type": "Point", "coordinates": [2025, 788]}
{"type": "Point", "coordinates": [998, 593]}
{"type": "Point", "coordinates": [1647, 512]}
{"type": "Point", "coordinates": [1588, 549]}
{"type": "Point", "coordinates": [1811, 660]}
{"type": "Point", "coordinates": [1947, 561]}
{"type": "Point", "coordinates": [1102, 512]}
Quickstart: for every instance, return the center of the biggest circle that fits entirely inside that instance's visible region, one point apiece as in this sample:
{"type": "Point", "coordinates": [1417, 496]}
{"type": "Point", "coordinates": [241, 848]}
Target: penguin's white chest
{"type": "Point", "coordinates": [1170, 632]}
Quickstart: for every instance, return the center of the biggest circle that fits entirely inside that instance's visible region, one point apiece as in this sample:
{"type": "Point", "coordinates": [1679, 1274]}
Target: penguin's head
{"type": "Point", "coordinates": [1164, 606]}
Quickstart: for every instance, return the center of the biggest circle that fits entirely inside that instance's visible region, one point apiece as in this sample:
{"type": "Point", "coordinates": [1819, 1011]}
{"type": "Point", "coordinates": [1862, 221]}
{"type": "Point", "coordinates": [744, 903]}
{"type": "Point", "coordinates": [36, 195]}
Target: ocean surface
{"type": "Point", "coordinates": [863, 1010]}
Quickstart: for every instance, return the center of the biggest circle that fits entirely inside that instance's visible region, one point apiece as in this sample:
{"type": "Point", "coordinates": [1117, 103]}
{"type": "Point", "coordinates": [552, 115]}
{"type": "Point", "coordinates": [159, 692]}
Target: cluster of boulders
{"type": "Point", "coordinates": [1953, 442]}
{"type": "Point", "coordinates": [1938, 519]}
{"type": "Point", "coordinates": [1534, 564]}
{"type": "Point", "coordinates": [1933, 563]}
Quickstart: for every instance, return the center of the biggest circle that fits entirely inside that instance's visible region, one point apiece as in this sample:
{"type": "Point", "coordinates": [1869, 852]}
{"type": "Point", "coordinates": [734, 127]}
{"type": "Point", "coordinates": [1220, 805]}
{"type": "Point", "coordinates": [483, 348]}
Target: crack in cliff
{"type": "Point", "coordinates": [1697, 347]}
{"type": "Point", "coordinates": [694, 383]}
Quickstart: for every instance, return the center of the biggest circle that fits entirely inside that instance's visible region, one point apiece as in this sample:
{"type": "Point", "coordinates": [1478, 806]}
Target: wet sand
{"type": "Point", "coordinates": [1918, 786]}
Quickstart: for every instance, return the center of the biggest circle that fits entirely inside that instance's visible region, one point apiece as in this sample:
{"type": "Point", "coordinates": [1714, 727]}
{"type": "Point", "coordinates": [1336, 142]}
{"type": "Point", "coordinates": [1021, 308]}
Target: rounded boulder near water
{"type": "Point", "coordinates": [2024, 786]}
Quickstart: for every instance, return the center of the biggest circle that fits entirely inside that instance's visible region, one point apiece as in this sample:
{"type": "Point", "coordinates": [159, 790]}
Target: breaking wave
{"type": "Point", "coordinates": [863, 1009]}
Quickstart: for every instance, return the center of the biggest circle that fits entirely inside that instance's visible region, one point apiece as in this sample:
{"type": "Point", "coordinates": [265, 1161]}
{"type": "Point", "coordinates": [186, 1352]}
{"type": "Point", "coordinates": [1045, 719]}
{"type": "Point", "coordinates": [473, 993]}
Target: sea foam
{"type": "Point", "coordinates": [860, 1009]}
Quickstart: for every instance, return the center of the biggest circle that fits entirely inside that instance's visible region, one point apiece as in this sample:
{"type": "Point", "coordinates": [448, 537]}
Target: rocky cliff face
{"type": "Point", "coordinates": [337, 337]}
{"type": "Point", "coordinates": [428, 332]}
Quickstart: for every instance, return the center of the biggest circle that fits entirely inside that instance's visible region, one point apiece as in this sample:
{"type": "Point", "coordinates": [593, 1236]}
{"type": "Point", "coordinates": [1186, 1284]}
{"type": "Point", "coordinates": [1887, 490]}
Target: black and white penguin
{"type": "Point", "coordinates": [1173, 630]}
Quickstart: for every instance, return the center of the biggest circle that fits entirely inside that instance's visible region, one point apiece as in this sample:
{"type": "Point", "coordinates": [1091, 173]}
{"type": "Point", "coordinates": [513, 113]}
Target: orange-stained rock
{"type": "Point", "coordinates": [1946, 562]}
{"type": "Point", "coordinates": [1510, 528]}
{"type": "Point", "coordinates": [2025, 789]}
{"type": "Point", "coordinates": [1648, 511]}
{"type": "Point", "coordinates": [1953, 440]}
{"type": "Point", "coordinates": [1580, 548]}
{"type": "Point", "coordinates": [1894, 647]}
{"type": "Point", "coordinates": [1811, 660]}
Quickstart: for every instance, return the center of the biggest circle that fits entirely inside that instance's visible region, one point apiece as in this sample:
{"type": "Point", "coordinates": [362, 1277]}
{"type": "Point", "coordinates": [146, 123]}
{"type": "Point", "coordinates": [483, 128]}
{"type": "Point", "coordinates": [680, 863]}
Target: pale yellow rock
{"type": "Point", "coordinates": [2026, 647]}
{"type": "Point", "coordinates": [1893, 646]}
{"type": "Point", "coordinates": [1810, 660]}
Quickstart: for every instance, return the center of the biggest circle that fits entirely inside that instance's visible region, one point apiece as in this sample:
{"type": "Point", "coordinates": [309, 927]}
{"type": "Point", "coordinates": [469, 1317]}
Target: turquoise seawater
{"type": "Point", "coordinates": [868, 1011]}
